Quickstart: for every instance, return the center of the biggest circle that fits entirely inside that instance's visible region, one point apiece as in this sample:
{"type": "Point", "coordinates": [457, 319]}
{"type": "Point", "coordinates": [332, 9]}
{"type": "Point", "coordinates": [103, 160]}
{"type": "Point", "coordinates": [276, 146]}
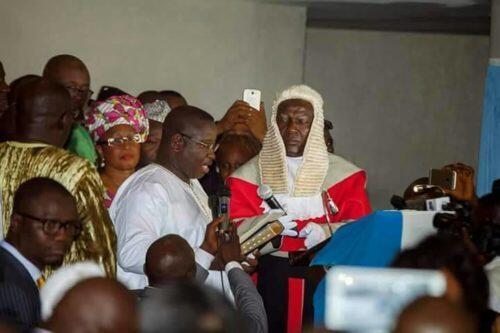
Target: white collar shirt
{"type": "Point", "coordinates": [34, 272]}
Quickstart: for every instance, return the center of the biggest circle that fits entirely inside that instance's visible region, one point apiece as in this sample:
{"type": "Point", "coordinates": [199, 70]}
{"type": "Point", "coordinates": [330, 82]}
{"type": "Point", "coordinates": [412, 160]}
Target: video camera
{"type": "Point", "coordinates": [458, 222]}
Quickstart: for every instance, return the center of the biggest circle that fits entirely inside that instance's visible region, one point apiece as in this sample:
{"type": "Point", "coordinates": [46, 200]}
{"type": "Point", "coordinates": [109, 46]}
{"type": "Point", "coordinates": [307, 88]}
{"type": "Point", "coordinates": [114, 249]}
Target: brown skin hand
{"type": "Point", "coordinates": [294, 120]}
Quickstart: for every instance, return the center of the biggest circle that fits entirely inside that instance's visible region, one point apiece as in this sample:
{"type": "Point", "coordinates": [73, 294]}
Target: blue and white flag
{"type": "Point", "coordinates": [372, 241]}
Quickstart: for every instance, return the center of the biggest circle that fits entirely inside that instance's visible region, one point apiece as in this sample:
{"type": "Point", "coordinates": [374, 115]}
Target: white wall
{"type": "Point", "coordinates": [401, 103]}
{"type": "Point", "coordinates": [208, 50]}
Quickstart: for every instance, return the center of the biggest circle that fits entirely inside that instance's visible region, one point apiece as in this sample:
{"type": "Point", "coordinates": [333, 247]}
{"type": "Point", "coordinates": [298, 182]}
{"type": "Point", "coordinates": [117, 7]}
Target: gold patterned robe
{"type": "Point", "coordinates": [22, 161]}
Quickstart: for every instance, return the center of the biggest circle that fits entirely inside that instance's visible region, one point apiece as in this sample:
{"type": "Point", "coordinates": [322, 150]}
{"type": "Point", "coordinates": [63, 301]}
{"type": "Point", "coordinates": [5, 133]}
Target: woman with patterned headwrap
{"type": "Point", "coordinates": [118, 126]}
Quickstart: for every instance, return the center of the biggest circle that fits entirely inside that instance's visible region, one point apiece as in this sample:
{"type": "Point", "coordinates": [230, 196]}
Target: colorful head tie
{"type": "Point", "coordinates": [157, 110]}
{"type": "Point", "coordinates": [117, 110]}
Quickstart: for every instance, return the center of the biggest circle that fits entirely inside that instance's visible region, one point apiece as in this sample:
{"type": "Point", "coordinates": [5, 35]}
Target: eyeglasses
{"type": "Point", "coordinates": [85, 92]}
{"type": "Point", "coordinates": [120, 142]}
{"type": "Point", "coordinates": [204, 145]}
{"type": "Point", "coordinates": [52, 227]}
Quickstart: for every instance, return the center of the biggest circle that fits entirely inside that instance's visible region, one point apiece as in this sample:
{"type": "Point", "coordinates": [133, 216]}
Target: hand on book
{"type": "Point", "coordinates": [229, 246]}
{"type": "Point", "coordinates": [251, 262]}
{"type": "Point", "coordinates": [289, 225]}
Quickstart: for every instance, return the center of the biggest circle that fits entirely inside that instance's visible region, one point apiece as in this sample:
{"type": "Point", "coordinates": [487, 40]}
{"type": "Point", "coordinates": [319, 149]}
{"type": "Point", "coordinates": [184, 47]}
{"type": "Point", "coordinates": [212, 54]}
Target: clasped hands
{"type": "Point", "coordinates": [312, 232]}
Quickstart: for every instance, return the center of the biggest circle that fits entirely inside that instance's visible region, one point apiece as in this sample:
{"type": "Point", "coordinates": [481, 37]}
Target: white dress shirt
{"type": "Point", "coordinates": [32, 269]}
{"type": "Point", "coordinates": [151, 203]}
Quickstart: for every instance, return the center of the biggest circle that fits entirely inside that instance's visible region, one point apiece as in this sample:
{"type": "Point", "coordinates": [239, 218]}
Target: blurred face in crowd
{"type": "Point", "coordinates": [76, 79]}
{"type": "Point", "coordinates": [149, 149]}
{"type": "Point", "coordinates": [294, 120]}
{"type": "Point", "coordinates": [4, 90]}
{"type": "Point", "coordinates": [38, 228]}
{"type": "Point", "coordinates": [175, 101]}
{"type": "Point", "coordinates": [230, 156]}
{"type": "Point", "coordinates": [121, 148]}
{"type": "Point", "coordinates": [198, 149]}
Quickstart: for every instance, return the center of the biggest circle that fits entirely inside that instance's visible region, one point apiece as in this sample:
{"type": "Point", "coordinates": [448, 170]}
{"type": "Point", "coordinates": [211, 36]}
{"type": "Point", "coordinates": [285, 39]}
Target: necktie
{"type": "Point", "coordinates": [40, 282]}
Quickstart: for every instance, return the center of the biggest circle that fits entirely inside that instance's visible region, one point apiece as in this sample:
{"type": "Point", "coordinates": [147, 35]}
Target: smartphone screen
{"type": "Point", "coordinates": [360, 299]}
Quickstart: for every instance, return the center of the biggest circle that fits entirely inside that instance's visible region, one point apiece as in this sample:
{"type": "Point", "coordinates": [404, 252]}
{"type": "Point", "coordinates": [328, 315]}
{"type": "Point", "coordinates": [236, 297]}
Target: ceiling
{"type": "Point", "coordinates": [448, 16]}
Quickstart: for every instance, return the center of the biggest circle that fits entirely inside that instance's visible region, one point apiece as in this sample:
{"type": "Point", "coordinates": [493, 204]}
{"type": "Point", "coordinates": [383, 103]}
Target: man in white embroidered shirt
{"type": "Point", "coordinates": [166, 198]}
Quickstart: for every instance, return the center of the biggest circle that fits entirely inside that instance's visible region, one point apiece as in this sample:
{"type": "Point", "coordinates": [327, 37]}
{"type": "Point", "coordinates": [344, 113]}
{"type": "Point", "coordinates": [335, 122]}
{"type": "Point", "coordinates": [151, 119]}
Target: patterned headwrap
{"type": "Point", "coordinates": [272, 157]}
{"type": "Point", "coordinates": [117, 110]}
{"type": "Point", "coordinates": [157, 110]}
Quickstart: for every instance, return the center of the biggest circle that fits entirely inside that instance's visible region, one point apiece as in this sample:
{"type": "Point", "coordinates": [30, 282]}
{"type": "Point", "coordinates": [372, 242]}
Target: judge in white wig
{"type": "Point", "coordinates": [295, 164]}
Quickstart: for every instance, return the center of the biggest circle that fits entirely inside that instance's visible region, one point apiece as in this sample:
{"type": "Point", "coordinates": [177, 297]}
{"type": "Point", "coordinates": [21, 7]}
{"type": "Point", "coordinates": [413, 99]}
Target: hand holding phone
{"type": "Point", "coordinates": [444, 178]}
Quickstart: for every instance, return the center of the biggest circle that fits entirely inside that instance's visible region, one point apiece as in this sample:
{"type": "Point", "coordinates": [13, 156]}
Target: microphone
{"type": "Point", "coordinates": [266, 193]}
{"type": "Point", "coordinates": [224, 196]}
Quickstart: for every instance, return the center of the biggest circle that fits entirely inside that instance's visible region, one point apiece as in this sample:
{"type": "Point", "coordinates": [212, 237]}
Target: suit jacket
{"type": "Point", "coordinates": [247, 298]}
{"type": "Point", "coordinates": [19, 296]}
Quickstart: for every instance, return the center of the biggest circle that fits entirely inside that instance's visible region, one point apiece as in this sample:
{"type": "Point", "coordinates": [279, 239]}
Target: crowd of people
{"type": "Point", "coordinates": [110, 216]}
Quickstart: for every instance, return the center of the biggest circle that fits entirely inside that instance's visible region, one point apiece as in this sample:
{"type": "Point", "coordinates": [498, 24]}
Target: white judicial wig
{"type": "Point", "coordinates": [272, 158]}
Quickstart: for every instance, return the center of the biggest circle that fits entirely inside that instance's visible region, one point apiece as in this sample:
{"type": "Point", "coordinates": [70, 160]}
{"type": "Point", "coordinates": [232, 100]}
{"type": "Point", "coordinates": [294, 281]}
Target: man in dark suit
{"type": "Point", "coordinates": [43, 226]}
{"type": "Point", "coordinates": [171, 258]}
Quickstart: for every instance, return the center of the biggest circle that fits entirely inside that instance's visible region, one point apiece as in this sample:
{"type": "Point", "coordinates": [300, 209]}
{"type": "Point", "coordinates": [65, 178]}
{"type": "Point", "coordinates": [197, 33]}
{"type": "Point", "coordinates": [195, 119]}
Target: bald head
{"type": "Point", "coordinates": [72, 73]}
{"type": "Point", "coordinates": [170, 258]}
{"type": "Point", "coordinates": [174, 98]}
{"type": "Point", "coordinates": [434, 315]}
{"type": "Point", "coordinates": [43, 112]}
{"type": "Point", "coordinates": [54, 67]}
{"type": "Point", "coordinates": [151, 96]}
{"type": "Point", "coordinates": [184, 118]}
{"type": "Point", "coordinates": [95, 305]}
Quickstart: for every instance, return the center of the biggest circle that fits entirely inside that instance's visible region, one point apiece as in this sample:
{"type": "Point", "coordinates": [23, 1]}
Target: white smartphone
{"type": "Point", "coordinates": [370, 299]}
{"type": "Point", "coordinates": [252, 97]}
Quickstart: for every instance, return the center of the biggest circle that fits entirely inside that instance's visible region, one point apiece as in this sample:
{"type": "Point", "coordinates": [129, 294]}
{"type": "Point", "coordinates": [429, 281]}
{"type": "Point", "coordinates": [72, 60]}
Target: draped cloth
{"type": "Point", "coordinates": [20, 162]}
{"type": "Point", "coordinates": [489, 153]}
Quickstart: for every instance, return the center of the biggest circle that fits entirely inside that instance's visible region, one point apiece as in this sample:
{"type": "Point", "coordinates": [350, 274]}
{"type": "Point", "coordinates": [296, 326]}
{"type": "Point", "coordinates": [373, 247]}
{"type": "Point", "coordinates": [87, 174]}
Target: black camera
{"type": "Point", "coordinates": [485, 236]}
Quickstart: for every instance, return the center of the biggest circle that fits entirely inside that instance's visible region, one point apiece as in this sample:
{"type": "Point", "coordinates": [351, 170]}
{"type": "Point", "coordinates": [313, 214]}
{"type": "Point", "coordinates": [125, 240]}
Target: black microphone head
{"type": "Point", "coordinates": [265, 192]}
